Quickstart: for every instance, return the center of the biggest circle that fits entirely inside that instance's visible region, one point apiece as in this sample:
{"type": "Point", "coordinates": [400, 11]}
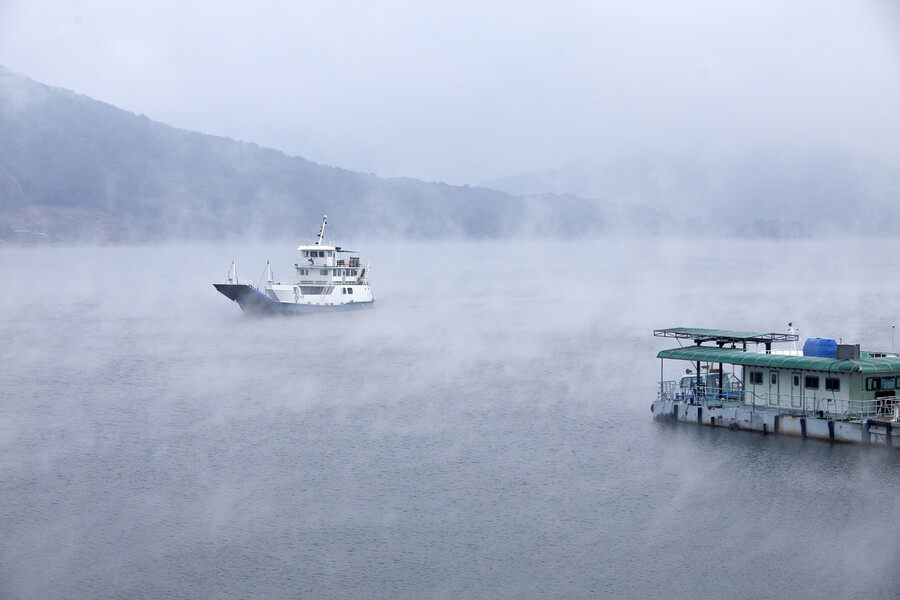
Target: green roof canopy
{"type": "Point", "coordinates": [734, 356]}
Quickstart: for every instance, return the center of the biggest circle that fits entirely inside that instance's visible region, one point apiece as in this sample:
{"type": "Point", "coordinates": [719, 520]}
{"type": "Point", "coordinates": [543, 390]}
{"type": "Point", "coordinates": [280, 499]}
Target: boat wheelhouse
{"type": "Point", "coordinates": [736, 379]}
{"type": "Point", "coordinates": [326, 278]}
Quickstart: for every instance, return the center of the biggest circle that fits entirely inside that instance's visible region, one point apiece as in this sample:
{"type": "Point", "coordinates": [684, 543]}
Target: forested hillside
{"type": "Point", "coordinates": [73, 168]}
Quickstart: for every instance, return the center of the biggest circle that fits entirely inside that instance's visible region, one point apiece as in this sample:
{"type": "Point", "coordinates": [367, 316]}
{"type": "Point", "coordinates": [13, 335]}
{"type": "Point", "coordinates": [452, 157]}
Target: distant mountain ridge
{"type": "Point", "coordinates": [757, 193]}
{"type": "Point", "coordinates": [76, 169]}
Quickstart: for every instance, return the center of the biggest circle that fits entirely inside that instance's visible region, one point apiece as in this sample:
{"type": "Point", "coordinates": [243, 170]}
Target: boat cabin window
{"type": "Point", "coordinates": [773, 378]}
{"type": "Point", "coordinates": [881, 383]}
{"type": "Point", "coordinates": [329, 253]}
{"type": "Point", "coordinates": [349, 290]}
{"type": "Point", "coordinates": [811, 382]}
{"type": "Point", "coordinates": [796, 381]}
{"type": "Point", "coordinates": [756, 377]}
{"type": "Point", "coordinates": [832, 384]}
{"type": "Point", "coordinates": [323, 271]}
{"type": "Point", "coordinates": [303, 271]}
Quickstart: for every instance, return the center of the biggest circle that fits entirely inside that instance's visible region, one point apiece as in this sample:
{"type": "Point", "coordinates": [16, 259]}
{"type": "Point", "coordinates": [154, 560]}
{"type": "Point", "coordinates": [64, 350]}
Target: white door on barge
{"type": "Point", "coordinates": [796, 390]}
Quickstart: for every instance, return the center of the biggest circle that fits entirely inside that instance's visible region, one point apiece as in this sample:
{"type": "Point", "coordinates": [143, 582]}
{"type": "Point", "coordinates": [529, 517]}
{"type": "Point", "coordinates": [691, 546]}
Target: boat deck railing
{"type": "Point", "coordinates": [342, 280]}
{"type": "Point", "coordinates": [841, 409]}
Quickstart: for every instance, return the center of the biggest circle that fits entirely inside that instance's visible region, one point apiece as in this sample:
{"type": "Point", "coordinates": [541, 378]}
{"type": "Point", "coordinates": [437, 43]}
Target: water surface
{"type": "Point", "coordinates": [484, 431]}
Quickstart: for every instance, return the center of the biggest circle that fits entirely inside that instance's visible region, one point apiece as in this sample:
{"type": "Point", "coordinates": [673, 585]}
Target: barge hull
{"type": "Point", "coordinates": [867, 431]}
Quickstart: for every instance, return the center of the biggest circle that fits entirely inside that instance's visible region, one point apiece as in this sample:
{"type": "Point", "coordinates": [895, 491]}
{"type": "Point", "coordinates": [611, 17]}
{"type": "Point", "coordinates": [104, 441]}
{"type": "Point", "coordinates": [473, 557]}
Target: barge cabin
{"type": "Point", "coordinates": [736, 379]}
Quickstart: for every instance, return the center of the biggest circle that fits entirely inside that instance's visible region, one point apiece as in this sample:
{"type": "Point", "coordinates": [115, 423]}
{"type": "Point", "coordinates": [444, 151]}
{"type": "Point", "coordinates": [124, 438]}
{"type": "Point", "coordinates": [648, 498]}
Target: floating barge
{"type": "Point", "coordinates": [735, 379]}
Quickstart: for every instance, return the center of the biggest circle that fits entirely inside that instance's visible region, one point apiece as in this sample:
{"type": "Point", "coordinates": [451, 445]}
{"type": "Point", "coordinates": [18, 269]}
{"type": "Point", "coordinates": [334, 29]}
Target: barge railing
{"type": "Point", "coordinates": [839, 409]}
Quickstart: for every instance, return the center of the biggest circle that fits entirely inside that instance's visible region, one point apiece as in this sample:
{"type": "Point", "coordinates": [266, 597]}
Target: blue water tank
{"type": "Point", "coordinates": [822, 347]}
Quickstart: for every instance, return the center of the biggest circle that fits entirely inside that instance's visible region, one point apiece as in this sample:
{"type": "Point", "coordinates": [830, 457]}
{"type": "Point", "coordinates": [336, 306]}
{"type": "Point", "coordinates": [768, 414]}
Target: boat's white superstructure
{"type": "Point", "coordinates": [326, 277]}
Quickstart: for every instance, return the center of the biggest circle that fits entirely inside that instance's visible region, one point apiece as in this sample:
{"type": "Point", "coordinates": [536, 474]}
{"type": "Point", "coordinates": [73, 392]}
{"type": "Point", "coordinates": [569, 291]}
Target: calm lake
{"type": "Point", "coordinates": [483, 432]}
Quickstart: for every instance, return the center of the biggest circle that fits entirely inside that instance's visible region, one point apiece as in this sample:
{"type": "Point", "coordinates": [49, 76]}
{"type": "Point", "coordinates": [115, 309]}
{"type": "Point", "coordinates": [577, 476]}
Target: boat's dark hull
{"type": "Point", "coordinates": [253, 301]}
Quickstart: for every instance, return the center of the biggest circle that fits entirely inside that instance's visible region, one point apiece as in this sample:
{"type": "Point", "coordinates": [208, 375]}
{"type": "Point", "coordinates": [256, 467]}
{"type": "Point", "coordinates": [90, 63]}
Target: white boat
{"type": "Point", "coordinates": [326, 278]}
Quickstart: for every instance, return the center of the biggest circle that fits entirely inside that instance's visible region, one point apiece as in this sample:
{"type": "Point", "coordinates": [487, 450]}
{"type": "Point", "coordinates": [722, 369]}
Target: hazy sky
{"type": "Point", "coordinates": [465, 91]}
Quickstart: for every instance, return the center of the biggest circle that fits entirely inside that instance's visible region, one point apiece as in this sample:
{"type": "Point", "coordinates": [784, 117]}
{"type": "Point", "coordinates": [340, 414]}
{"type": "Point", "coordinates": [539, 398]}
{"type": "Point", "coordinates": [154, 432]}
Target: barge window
{"type": "Point", "coordinates": [756, 377]}
{"type": "Point", "coordinates": [811, 382]}
{"type": "Point", "coordinates": [832, 384]}
{"type": "Point", "coordinates": [888, 383]}
{"type": "Point", "coordinates": [873, 383]}
{"type": "Point", "coordinates": [773, 378]}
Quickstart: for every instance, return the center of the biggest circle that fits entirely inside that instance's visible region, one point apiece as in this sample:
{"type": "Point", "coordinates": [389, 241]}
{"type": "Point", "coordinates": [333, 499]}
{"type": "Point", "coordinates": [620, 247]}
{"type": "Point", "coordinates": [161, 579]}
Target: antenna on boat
{"type": "Point", "coordinates": [322, 230]}
{"type": "Point", "coordinates": [267, 275]}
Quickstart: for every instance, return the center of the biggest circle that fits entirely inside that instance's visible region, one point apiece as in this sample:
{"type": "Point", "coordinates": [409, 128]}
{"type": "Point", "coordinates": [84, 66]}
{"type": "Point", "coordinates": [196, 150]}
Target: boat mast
{"type": "Point", "coordinates": [322, 230]}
